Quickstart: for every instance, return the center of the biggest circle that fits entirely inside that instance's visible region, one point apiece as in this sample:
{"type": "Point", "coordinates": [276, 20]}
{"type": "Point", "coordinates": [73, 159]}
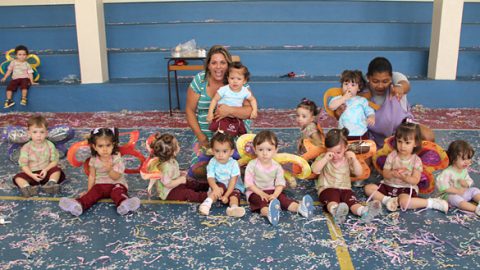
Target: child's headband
{"type": "Point", "coordinates": [97, 130]}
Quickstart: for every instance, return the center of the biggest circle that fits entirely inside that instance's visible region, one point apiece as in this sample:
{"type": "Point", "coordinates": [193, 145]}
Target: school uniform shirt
{"type": "Point", "coordinates": [37, 158]}
{"type": "Point", "coordinates": [333, 175]}
{"type": "Point", "coordinates": [224, 172]}
{"type": "Point", "coordinates": [170, 171]}
{"type": "Point", "coordinates": [394, 162]}
{"type": "Point", "coordinates": [265, 178]}
{"type": "Point", "coordinates": [20, 70]}
{"type": "Point", "coordinates": [101, 173]}
{"type": "Point", "coordinates": [450, 177]}
{"type": "Point", "coordinates": [355, 115]}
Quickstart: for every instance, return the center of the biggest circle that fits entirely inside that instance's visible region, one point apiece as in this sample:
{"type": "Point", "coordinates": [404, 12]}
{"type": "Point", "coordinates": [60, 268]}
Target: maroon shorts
{"type": "Point", "coordinates": [235, 193]}
{"type": "Point", "coordinates": [337, 195]}
{"type": "Point", "coordinates": [33, 182]}
{"type": "Point", "coordinates": [394, 191]}
{"type": "Point", "coordinates": [358, 138]}
{"type": "Point", "coordinates": [230, 125]}
{"type": "Point", "coordinates": [256, 202]}
{"type": "Point", "coordinates": [185, 193]}
{"type": "Point", "coordinates": [23, 83]}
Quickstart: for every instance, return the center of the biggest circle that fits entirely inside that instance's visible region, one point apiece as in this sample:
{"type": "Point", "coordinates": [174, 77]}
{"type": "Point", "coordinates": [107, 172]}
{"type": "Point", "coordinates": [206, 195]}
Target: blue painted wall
{"type": "Point", "coordinates": [316, 38]}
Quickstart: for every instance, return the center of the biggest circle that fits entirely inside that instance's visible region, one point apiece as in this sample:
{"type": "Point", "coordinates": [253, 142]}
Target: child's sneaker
{"type": "Point", "coordinates": [204, 208]}
{"type": "Point", "coordinates": [306, 207]}
{"type": "Point", "coordinates": [23, 102]}
{"type": "Point", "coordinates": [51, 187]}
{"type": "Point", "coordinates": [71, 205]}
{"type": "Point", "coordinates": [33, 190]}
{"type": "Point", "coordinates": [373, 209]}
{"type": "Point", "coordinates": [25, 191]}
{"type": "Point", "coordinates": [128, 205]}
{"type": "Point", "coordinates": [477, 210]}
{"type": "Point", "coordinates": [392, 204]}
{"type": "Point", "coordinates": [439, 204]}
{"type": "Point", "coordinates": [235, 211]}
{"type": "Point", "coordinates": [274, 212]}
{"type": "Point", "coordinates": [8, 103]}
{"type": "Point", "coordinates": [340, 214]}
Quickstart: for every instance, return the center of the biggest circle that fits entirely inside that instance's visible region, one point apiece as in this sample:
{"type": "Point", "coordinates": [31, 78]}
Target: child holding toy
{"type": "Point", "coordinates": [39, 161]}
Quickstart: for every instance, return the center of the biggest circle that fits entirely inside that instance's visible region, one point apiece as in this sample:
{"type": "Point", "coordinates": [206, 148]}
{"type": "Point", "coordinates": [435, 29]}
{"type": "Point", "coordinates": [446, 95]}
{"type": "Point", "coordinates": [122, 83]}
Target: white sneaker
{"type": "Point", "coordinates": [477, 211]}
{"type": "Point", "coordinates": [128, 205]}
{"type": "Point", "coordinates": [392, 204]}
{"type": "Point", "coordinates": [274, 212]}
{"type": "Point", "coordinates": [439, 204]}
{"type": "Point", "coordinates": [204, 208]}
{"type": "Point", "coordinates": [306, 207]}
{"type": "Point", "coordinates": [374, 208]}
{"type": "Point", "coordinates": [235, 211]}
{"type": "Point", "coordinates": [71, 205]}
{"type": "Point", "coordinates": [340, 214]}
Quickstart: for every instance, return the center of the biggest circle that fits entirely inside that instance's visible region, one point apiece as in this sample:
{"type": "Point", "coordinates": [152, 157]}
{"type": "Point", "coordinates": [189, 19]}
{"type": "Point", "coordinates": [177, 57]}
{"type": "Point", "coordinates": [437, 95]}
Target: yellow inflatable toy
{"type": "Point", "coordinates": [246, 151]}
{"type": "Point", "coordinates": [432, 155]}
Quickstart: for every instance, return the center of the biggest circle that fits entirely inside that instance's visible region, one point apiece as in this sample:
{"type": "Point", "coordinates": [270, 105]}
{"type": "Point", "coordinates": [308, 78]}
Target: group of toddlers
{"type": "Point", "coordinates": [263, 181]}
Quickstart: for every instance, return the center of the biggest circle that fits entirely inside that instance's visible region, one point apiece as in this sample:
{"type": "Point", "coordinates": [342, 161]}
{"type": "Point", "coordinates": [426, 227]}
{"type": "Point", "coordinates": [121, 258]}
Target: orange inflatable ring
{"type": "Point", "coordinates": [125, 149]}
{"type": "Point", "coordinates": [432, 155]}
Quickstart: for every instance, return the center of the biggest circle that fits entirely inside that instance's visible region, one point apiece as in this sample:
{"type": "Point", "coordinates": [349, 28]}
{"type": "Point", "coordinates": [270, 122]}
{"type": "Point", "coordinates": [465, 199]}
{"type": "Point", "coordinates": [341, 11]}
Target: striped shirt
{"type": "Point", "coordinates": [37, 158]}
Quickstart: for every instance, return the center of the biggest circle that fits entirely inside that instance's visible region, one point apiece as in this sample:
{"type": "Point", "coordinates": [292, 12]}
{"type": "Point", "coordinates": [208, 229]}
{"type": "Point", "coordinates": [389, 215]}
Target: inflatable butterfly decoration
{"type": "Point", "coordinates": [32, 59]}
{"type": "Point", "coordinates": [17, 136]}
{"type": "Point", "coordinates": [79, 153]}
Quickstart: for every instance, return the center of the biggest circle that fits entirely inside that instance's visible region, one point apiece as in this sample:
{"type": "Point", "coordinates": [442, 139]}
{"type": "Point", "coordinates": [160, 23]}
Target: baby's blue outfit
{"type": "Point", "coordinates": [233, 99]}
{"type": "Point", "coordinates": [224, 172]}
{"type": "Point", "coordinates": [355, 116]}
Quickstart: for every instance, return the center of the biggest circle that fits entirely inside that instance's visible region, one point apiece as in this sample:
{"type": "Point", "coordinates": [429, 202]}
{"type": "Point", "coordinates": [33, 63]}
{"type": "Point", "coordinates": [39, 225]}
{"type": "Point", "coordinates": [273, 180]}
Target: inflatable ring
{"type": "Point", "coordinates": [245, 148]}
{"type": "Point", "coordinates": [72, 152]}
{"type": "Point", "coordinates": [10, 54]}
{"type": "Point", "coordinates": [125, 149]}
{"type": "Point", "coordinates": [333, 92]}
{"type": "Point", "coordinates": [149, 169]}
{"type": "Point", "coordinates": [33, 60]}
{"type": "Point", "coordinates": [288, 161]}
{"type": "Point", "coordinates": [432, 155]}
{"type": "Point", "coordinates": [4, 67]}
